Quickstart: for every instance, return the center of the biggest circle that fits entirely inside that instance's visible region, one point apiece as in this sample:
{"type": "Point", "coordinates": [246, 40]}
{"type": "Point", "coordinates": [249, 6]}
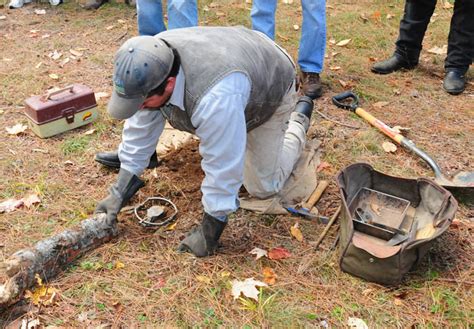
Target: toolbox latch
{"type": "Point", "coordinates": [69, 114]}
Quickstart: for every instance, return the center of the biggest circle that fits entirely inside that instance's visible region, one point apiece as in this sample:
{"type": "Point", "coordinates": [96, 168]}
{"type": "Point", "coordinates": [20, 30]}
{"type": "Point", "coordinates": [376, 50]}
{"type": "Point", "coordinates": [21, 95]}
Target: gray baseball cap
{"type": "Point", "coordinates": [141, 64]}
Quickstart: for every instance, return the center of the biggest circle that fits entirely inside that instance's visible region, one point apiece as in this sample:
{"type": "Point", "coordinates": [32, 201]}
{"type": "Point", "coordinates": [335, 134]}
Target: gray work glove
{"type": "Point", "coordinates": [120, 193]}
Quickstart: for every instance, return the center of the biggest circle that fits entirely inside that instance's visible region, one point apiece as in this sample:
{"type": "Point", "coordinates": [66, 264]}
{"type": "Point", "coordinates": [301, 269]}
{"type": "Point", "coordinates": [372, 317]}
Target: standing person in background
{"type": "Point", "coordinates": [181, 13]}
{"type": "Point", "coordinates": [412, 31]}
{"type": "Point", "coordinates": [312, 41]}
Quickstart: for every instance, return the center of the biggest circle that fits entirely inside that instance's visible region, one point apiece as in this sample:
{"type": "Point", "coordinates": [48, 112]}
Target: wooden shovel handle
{"type": "Point", "coordinates": [314, 197]}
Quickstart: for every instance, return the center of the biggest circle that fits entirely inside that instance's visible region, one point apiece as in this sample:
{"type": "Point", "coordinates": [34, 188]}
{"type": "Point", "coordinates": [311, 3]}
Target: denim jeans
{"type": "Point", "coordinates": [313, 31]}
{"type": "Point", "coordinates": [181, 13]}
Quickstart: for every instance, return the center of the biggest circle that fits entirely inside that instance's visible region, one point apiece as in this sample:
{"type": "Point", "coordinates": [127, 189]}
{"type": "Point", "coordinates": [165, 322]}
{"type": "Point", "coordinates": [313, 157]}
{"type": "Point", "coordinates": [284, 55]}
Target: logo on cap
{"type": "Point", "coordinates": [119, 86]}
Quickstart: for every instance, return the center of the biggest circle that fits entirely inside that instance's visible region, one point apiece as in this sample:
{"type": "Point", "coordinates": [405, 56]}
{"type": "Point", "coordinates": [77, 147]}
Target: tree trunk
{"type": "Point", "coordinates": [49, 256]}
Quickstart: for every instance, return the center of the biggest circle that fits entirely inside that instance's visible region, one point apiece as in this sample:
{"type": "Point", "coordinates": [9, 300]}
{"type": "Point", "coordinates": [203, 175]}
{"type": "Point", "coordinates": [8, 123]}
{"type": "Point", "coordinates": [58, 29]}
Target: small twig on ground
{"type": "Point", "coordinates": [336, 122]}
{"type": "Point", "coordinates": [120, 37]}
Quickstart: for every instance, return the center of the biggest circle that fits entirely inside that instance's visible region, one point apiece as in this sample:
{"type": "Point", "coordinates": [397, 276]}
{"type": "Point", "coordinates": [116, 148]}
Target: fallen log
{"type": "Point", "coordinates": [49, 256]}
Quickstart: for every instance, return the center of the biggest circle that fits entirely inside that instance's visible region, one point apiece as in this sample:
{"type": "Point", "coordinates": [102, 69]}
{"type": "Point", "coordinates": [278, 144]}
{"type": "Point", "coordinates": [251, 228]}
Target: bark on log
{"type": "Point", "coordinates": [49, 256]}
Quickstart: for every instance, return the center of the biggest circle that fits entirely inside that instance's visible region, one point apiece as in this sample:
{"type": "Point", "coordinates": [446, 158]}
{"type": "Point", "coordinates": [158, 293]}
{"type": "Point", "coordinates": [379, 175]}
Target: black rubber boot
{"type": "Point", "coordinates": [202, 240]}
{"type": "Point", "coordinates": [454, 82]}
{"type": "Point", "coordinates": [111, 159]}
{"type": "Point", "coordinates": [394, 63]}
{"type": "Point", "coordinates": [302, 112]}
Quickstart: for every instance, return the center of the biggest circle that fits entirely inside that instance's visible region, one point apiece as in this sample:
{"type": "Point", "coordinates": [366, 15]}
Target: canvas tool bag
{"type": "Point", "coordinates": [430, 212]}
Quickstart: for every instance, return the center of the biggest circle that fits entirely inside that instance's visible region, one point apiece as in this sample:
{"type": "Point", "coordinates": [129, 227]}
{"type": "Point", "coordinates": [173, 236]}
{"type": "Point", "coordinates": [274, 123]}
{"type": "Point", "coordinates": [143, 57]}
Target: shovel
{"type": "Point", "coordinates": [462, 184]}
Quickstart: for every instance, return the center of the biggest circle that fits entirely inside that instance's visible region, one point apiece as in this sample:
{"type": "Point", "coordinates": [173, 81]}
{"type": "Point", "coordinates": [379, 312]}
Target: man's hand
{"type": "Point", "coordinates": [120, 193]}
{"type": "Point", "coordinates": [111, 206]}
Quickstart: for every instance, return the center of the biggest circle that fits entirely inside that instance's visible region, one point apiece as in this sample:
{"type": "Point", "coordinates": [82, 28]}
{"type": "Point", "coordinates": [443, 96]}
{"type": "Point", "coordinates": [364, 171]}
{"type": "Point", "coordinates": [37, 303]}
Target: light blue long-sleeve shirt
{"type": "Point", "coordinates": [219, 120]}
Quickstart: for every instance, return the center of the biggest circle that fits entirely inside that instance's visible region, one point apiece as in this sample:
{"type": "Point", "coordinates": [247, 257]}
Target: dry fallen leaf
{"type": "Point", "coordinates": [3, 17]}
{"type": "Point", "coordinates": [332, 41]}
{"type": "Point", "coordinates": [323, 165]}
{"type": "Point", "coordinates": [398, 302]}
{"type": "Point", "coordinates": [296, 232]}
{"type": "Point", "coordinates": [16, 129]}
{"type": "Point", "coordinates": [376, 15]}
{"type": "Point", "coordinates": [119, 265]}
{"type": "Point", "coordinates": [203, 278]}
{"type": "Point", "coordinates": [42, 295]}
{"type": "Point", "coordinates": [31, 200]}
{"type": "Point", "coordinates": [400, 129]}
{"type": "Point", "coordinates": [390, 16]}
{"type": "Point", "coordinates": [55, 55]}
{"type": "Point", "coordinates": [379, 105]}
{"type": "Point", "coordinates": [75, 52]}
{"type": "Point", "coordinates": [439, 50]}
{"type": "Point", "coordinates": [9, 205]}
{"type": "Point", "coordinates": [357, 323]}
{"type": "Point", "coordinates": [343, 43]}
{"type": "Point", "coordinates": [296, 27]}
{"type": "Point", "coordinates": [121, 21]}
{"type": "Point", "coordinates": [247, 288]}
{"type": "Point", "coordinates": [38, 65]}
{"type": "Point", "coordinates": [364, 18]}
{"type": "Point", "coordinates": [335, 53]}
{"type": "Point", "coordinates": [334, 68]}
{"type": "Point", "coordinates": [64, 62]}
{"type": "Point", "coordinates": [54, 76]}
{"type": "Point", "coordinates": [342, 83]}
{"type": "Point", "coordinates": [40, 11]}
{"type": "Point", "coordinates": [101, 94]}
{"type": "Point", "coordinates": [171, 227]}
{"type": "Point", "coordinates": [269, 276]}
{"type": "Point", "coordinates": [389, 147]}
{"type": "Point", "coordinates": [225, 274]}
{"type": "Point", "coordinates": [110, 27]}
{"type": "Point", "coordinates": [90, 132]}
{"type": "Point", "coordinates": [278, 253]}
{"type": "Point", "coordinates": [259, 253]}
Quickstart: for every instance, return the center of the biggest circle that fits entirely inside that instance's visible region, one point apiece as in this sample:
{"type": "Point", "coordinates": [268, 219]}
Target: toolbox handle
{"type": "Point", "coordinates": [55, 92]}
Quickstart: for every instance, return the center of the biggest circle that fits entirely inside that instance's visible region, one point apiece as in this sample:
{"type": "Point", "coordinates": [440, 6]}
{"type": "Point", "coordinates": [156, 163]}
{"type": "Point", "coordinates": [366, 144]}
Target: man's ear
{"type": "Point", "coordinates": [171, 82]}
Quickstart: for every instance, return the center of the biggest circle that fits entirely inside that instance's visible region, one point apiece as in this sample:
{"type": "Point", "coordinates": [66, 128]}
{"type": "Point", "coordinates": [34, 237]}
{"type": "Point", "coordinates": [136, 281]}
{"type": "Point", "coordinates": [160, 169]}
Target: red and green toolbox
{"type": "Point", "coordinates": [61, 110]}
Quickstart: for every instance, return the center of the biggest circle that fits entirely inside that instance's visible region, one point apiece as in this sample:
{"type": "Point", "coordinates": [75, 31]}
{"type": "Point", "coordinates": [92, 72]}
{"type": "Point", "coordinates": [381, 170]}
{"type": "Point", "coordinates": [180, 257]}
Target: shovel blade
{"type": "Point", "coordinates": [461, 186]}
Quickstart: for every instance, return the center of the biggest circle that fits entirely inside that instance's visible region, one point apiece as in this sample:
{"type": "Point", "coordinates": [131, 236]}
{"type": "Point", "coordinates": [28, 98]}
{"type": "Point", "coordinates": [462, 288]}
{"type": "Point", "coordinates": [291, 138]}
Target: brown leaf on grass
{"type": "Point", "coordinates": [390, 16]}
{"type": "Point", "coordinates": [323, 165]}
{"type": "Point", "coordinates": [64, 62]}
{"type": "Point", "coordinates": [379, 105]}
{"type": "Point", "coordinates": [296, 27]}
{"type": "Point", "coordinates": [342, 83]}
{"type": "Point", "coordinates": [343, 43]}
{"type": "Point", "coordinates": [389, 147]}
{"type": "Point", "coordinates": [376, 15]}
{"type": "Point", "coordinates": [335, 53]}
{"type": "Point", "coordinates": [54, 76]}
{"type": "Point", "coordinates": [16, 129]}
{"type": "Point", "coordinates": [90, 131]}
{"type": "Point", "coordinates": [400, 129]}
{"type": "Point", "coordinates": [203, 278]}
{"type": "Point", "coordinates": [439, 50]}
{"type": "Point", "coordinates": [296, 232]}
{"type": "Point", "coordinates": [363, 18]}
{"type": "Point", "coordinates": [269, 276]}
{"type": "Point", "coordinates": [171, 227]}
{"type": "Point", "coordinates": [42, 295]}
{"type": "Point", "coordinates": [76, 53]}
{"type": "Point", "coordinates": [398, 302]}
{"type": "Point", "coordinates": [110, 27]}
{"type": "Point", "coordinates": [247, 288]}
{"type": "Point", "coordinates": [278, 253]}
{"type": "Point", "coordinates": [31, 200]}
{"type": "Point", "coordinates": [259, 253]}
{"type": "Point", "coordinates": [334, 68]}
{"type": "Point", "coordinates": [101, 94]}
{"type": "Point", "coordinates": [332, 41]}
{"type": "Point", "coordinates": [9, 205]}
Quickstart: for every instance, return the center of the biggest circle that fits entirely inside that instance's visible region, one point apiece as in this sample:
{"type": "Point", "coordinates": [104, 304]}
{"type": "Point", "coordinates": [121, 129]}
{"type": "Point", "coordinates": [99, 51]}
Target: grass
{"type": "Point", "coordinates": [158, 287]}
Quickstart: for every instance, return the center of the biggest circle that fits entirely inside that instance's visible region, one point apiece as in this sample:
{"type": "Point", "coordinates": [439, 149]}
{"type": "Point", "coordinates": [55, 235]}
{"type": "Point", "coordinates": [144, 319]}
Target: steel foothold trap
{"type": "Point", "coordinates": [155, 212]}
